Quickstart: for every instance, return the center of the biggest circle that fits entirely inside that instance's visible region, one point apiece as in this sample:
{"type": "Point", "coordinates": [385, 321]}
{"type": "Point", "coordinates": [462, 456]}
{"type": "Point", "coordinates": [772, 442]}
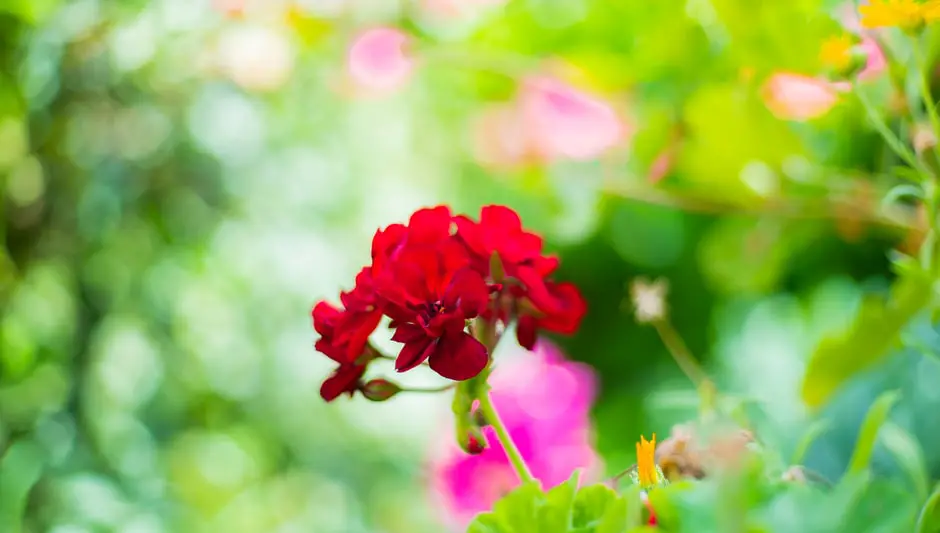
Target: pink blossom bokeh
{"type": "Point", "coordinates": [378, 62]}
{"type": "Point", "coordinates": [791, 96]}
{"type": "Point", "coordinates": [545, 402]}
{"type": "Point", "coordinates": [548, 121]}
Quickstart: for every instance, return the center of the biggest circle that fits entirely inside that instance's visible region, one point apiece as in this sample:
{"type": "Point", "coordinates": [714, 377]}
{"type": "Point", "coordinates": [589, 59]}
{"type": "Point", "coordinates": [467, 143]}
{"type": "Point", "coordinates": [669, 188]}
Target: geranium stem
{"type": "Point", "coordinates": [512, 452]}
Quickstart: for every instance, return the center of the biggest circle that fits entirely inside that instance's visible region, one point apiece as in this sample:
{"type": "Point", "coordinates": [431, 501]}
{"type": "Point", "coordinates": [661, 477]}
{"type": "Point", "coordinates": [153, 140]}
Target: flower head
{"type": "Point", "coordinates": [647, 472]}
{"type": "Point", "coordinates": [836, 52]}
{"type": "Point", "coordinates": [431, 277]}
{"type": "Point", "coordinates": [904, 14]}
{"type": "Point", "coordinates": [796, 97]}
{"type": "Point", "coordinates": [377, 60]}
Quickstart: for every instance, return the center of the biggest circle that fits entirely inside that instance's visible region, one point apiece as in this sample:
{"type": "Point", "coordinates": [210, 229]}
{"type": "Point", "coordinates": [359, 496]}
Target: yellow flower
{"type": "Point", "coordinates": [905, 14]}
{"type": "Point", "coordinates": [836, 52]}
{"type": "Point", "coordinates": [931, 11]}
{"type": "Point", "coordinates": [646, 462]}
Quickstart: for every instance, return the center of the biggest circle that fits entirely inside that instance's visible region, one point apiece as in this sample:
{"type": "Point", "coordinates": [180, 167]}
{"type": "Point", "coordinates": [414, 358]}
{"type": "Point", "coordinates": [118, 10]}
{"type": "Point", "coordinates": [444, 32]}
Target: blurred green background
{"type": "Point", "coordinates": [180, 186]}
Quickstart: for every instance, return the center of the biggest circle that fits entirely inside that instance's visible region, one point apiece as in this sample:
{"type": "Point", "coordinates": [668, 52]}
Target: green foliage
{"type": "Point", "coordinates": [565, 508]}
{"type": "Point", "coordinates": [870, 338]}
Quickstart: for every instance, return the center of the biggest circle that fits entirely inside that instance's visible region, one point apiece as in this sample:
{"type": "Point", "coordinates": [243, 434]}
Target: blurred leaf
{"type": "Point", "coordinates": [514, 513]}
{"type": "Point", "coordinates": [815, 430]}
{"type": "Point", "coordinates": [874, 332]}
{"type": "Point", "coordinates": [876, 417]}
{"type": "Point", "coordinates": [598, 508]}
{"type": "Point", "coordinates": [556, 516]}
{"type": "Point", "coordinates": [909, 455]}
{"type": "Point", "coordinates": [928, 521]}
{"type": "Point", "coordinates": [20, 469]}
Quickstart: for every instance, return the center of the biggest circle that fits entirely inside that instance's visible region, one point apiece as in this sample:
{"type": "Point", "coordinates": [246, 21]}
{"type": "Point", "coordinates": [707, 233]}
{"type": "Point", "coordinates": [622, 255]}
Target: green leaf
{"type": "Point", "coordinates": [898, 192]}
{"type": "Point", "coordinates": [909, 455]}
{"type": "Point", "coordinates": [591, 507]}
{"type": "Point", "coordinates": [556, 516]}
{"type": "Point", "coordinates": [20, 469]}
{"type": "Point", "coordinates": [816, 429]}
{"type": "Point", "coordinates": [876, 417]}
{"type": "Point", "coordinates": [516, 512]}
{"type": "Point", "coordinates": [928, 521]}
{"type": "Point", "coordinates": [867, 341]}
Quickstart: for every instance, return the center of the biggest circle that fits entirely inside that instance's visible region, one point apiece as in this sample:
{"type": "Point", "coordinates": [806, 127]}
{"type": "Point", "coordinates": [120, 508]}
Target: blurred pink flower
{"type": "Point", "coordinates": [548, 121]}
{"type": "Point", "coordinates": [545, 402]}
{"type": "Point", "coordinates": [875, 62]}
{"type": "Point", "coordinates": [567, 123]}
{"type": "Point", "coordinates": [796, 97]}
{"type": "Point", "coordinates": [377, 60]}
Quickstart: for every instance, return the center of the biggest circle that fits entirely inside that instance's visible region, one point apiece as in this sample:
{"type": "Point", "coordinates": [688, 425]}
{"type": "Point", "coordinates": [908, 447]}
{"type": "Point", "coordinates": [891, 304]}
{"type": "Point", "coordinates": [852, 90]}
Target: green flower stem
{"type": "Point", "coordinates": [492, 417]}
{"type": "Point", "coordinates": [680, 352]}
{"type": "Point", "coordinates": [924, 85]}
{"type": "Point", "coordinates": [890, 137]}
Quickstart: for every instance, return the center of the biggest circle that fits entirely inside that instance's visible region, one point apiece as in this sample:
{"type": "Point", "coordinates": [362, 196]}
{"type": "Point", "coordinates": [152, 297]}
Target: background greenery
{"type": "Point", "coordinates": [166, 232]}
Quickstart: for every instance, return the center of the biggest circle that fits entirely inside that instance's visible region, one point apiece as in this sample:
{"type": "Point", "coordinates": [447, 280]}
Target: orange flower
{"type": "Point", "coordinates": [646, 462]}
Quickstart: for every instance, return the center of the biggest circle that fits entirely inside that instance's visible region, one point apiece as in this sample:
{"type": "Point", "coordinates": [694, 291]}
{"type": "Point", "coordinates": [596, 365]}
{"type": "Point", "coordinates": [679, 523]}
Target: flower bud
{"type": "Point", "coordinates": [649, 299]}
{"type": "Point", "coordinates": [379, 390]}
{"type": "Point", "coordinates": [475, 446]}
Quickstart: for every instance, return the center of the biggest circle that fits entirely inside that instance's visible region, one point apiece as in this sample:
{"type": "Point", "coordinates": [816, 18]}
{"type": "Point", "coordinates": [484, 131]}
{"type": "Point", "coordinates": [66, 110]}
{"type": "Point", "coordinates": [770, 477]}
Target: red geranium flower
{"type": "Point", "coordinates": [432, 276]}
{"type": "Point", "coordinates": [554, 307]}
{"type": "Point", "coordinates": [344, 334]}
{"type": "Point", "coordinates": [432, 294]}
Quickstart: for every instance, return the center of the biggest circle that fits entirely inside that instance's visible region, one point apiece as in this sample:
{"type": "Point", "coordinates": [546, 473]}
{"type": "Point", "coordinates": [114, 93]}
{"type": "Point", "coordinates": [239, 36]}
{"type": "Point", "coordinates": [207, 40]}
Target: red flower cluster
{"type": "Point", "coordinates": [431, 277]}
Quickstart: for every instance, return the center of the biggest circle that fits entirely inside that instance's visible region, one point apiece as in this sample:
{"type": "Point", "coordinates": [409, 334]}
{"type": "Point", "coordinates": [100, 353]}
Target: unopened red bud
{"type": "Point", "coordinates": [474, 446]}
{"type": "Point", "coordinates": [379, 390]}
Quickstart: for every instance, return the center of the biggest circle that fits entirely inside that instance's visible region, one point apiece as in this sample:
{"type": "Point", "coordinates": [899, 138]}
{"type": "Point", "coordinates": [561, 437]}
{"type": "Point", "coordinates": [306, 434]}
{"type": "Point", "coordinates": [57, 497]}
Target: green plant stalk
{"type": "Point", "coordinates": [889, 136]}
{"type": "Point", "coordinates": [512, 452]}
{"type": "Point", "coordinates": [485, 332]}
{"type": "Point", "coordinates": [920, 63]}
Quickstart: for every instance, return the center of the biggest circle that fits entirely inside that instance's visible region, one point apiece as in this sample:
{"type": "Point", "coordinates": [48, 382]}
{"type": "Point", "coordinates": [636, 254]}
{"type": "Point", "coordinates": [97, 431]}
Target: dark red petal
{"type": "Point", "coordinates": [537, 291]}
{"type": "Point", "coordinates": [344, 379]}
{"type": "Point", "coordinates": [408, 333]}
{"type": "Point", "coordinates": [573, 309]}
{"type": "Point", "coordinates": [466, 292]}
{"type": "Point", "coordinates": [324, 317]}
{"type": "Point", "coordinates": [501, 218]}
{"type": "Point", "coordinates": [414, 353]}
{"type": "Point", "coordinates": [526, 332]}
{"type": "Point", "coordinates": [458, 356]}
{"type": "Point", "coordinates": [336, 352]}
{"type": "Point", "coordinates": [430, 225]}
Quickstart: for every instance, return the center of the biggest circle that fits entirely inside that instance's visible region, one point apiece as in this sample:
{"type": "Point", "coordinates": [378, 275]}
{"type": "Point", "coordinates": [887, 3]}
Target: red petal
{"type": "Point", "coordinates": [408, 333]}
{"type": "Point", "coordinates": [458, 356]}
{"type": "Point", "coordinates": [573, 309]}
{"type": "Point", "coordinates": [526, 332]}
{"type": "Point", "coordinates": [356, 328]}
{"type": "Point", "coordinates": [344, 379]}
{"type": "Point", "coordinates": [537, 291]}
{"type": "Point", "coordinates": [384, 244]}
{"type": "Point", "coordinates": [501, 218]}
{"type": "Point", "coordinates": [414, 353]}
{"type": "Point", "coordinates": [430, 225]}
{"type": "Point", "coordinates": [467, 292]}
{"type": "Point", "coordinates": [469, 232]}
{"type": "Point", "coordinates": [324, 317]}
